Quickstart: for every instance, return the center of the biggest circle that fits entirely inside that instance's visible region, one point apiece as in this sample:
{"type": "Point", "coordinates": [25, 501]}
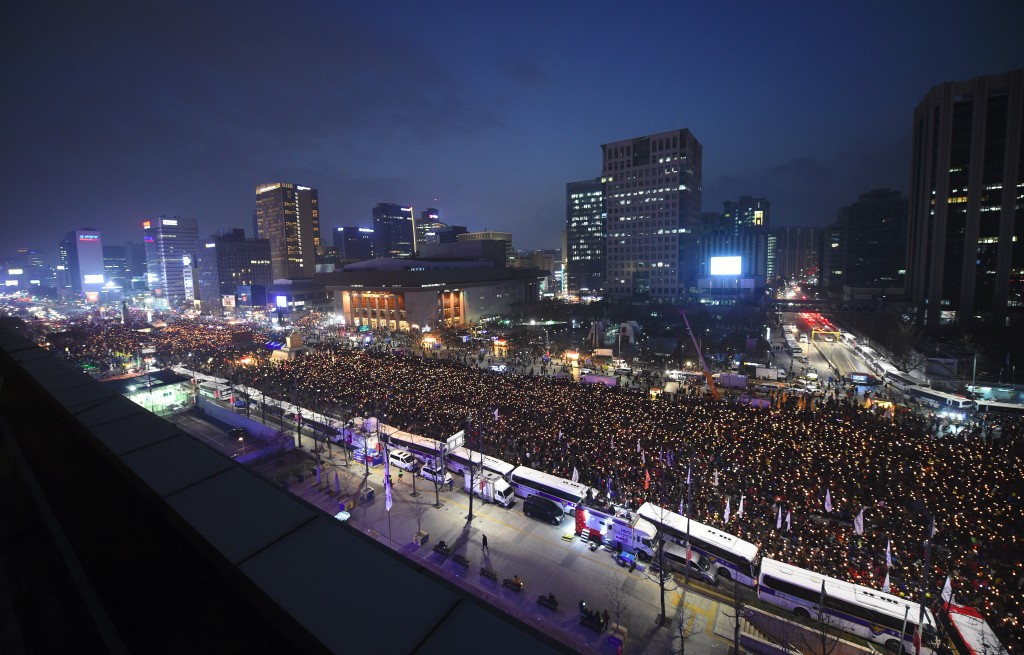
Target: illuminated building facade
{"type": "Point", "coordinates": [652, 201]}
{"type": "Point", "coordinates": [288, 216]}
{"type": "Point", "coordinates": [965, 255]}
{"type": "Point", "coordinates": [171, 244]}
{"type": "Point", "coordinates": [585, 237]}
{"type": "Point", "coordinates": [404, 295]}
{"type": "Point", "coordinates": [81, 254]}
{"type": "Point", "coordinates": [427, 227]}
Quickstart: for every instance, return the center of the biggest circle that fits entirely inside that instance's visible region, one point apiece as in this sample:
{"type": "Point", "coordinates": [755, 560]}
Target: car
{"type": "Point", "coordinates": [700, 567]}
{"type": "Point", "coordinates": [544, 509]}
{"type": "Point", "coordinates": [586, 371]}
{"type": "Point", "coordinates": [436, 474]}
{"type": "Point", "coordinates": [498, 368]}
{"type": "Point", "coordinates": [623, 370]}
{"type": "Point", "coordinates": [403, 459]}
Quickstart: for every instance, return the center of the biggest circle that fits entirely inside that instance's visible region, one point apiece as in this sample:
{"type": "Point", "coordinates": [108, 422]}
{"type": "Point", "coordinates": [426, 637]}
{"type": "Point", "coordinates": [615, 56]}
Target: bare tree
{"type": "Point", "coordinates": [737, 614]}
{"type": "Point", "coordinates": [902, 340]}
{"type": "Point", "coordinates": [684, 624]}
{"type": "Point", "coordinates": [618, 598]}
{"type": "Point", "coordinates": [419, 510]}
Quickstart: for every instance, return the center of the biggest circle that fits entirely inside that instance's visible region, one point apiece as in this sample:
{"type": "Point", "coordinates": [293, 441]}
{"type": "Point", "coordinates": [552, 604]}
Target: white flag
{"type": "Point", "coordinates": [681, 512]}
{"type": "Point", "coordinates": [947, 590]}
{"type": "Point", "coordinates": [888, 553]}
{"type": "Point", "coordinates": [716, 478]}
{"type": "Point", "coordinates": [828, 500]}
{"type": "Point", "coordinates": [789, 514]}
{"type": "Point", "coordinates": [778, 520]}
{"type": "Point", "coordinates": [575, 475]}
{"type": "Point", "coordinates": [688, 468]}
{"type": "Point", "coordinates": [725, 516]}
{"type": "Point", "coordinates": [885, 585]}
{"type": "Point", "coordinates": [387, 484]}
{"type": "Point", "coordinates": [858, 522]}
{"type": "Point", "coordinates": [643, 456]}
{"type": "Point", "coordinates": [637, 445]}
{"type": "Point", "coordinates": [495, 413]}
{"type": "Point", "coordinates": [739, 514]}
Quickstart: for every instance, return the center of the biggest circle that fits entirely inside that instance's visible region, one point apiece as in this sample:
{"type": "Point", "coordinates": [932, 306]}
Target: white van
{"type": "Point", "coordinates": [403, 459]}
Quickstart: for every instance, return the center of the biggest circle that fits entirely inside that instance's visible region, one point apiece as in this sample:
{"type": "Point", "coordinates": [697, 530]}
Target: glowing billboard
{"type": "Point", "coordinates": [726, 265]}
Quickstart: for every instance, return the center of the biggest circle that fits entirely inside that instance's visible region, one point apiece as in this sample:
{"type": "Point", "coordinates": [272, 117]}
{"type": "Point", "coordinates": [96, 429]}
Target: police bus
{"type": "Point", "coordinates": [865, 612]}
{"type": "Point", "coordinates": [459, 460]}
{"type": "Point", "coordinates": [939, 399]}
{"type": "Point", "coordinates": [735, 558]}
{"type": "Point", "coordinates": [425, 449]}
{"type": "Point", "coordinates": [528, 482]}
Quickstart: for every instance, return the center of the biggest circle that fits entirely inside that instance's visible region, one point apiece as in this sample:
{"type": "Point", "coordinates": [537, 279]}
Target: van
{"type": "Point", "coordinates": [700, 567]}
{"type": "Point", "coordinates": [402, 459]}
{"type": "Point", "coordinates": [436, 474]}
{"type": "Point", "coordinates": [543, 508]}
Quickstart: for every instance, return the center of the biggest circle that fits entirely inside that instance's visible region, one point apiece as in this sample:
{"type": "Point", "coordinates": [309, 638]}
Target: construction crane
{"type": "Point", "coordinates": [700, 357]}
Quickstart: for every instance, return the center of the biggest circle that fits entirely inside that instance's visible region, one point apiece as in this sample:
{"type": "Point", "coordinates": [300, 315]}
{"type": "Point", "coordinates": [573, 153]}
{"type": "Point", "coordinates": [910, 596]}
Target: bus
{"type": "Point", "coordinates": [939, 399]}
{"type": "Point", "coordinates": [217, 390]}
{"type": "Point", "coordinates": [899, 381]}
{"type": "Point", "coordinates": [993, 407]}
{"type": "Point", "coordinates": [459, 460]}
{"type": "Point", "coordinates": [736, 559]}
{"type": "Point", "coordinates": [862, 611]}
{"type": "Point", "coordinates": [528, 482]}
{"type": "Point", "coordinates": [970, 632]}
{"type": "Point", "coordinates": [426, 450]}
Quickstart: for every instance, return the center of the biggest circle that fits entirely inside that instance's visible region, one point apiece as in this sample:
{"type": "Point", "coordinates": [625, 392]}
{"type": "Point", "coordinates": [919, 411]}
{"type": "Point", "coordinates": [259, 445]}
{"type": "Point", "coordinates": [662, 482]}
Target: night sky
{"type": "Point", "coordinates": [117, 112]}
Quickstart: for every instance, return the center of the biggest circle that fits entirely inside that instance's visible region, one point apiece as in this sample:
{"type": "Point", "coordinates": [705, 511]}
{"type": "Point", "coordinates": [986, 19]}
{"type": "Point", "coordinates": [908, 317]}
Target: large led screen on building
{"type": "Point", "coordinates": [726, 265]}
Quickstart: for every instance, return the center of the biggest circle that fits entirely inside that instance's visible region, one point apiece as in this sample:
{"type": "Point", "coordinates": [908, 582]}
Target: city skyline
{"type": "Point", "coordinates": [483, 113]}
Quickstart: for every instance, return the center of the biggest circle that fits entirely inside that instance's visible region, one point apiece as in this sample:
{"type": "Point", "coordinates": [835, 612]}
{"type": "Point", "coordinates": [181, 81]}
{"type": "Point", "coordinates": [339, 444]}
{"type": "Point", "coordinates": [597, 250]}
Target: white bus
{"type": "Point", "coordinates": [865, 612]}
{"type": "Point", "coordinates": [939, 399]}
{"type": "Point", "coordinates": [899, 381]}
{"type": "Point", "coordinates": [736, 559]}
{"type": "Point", "coordinates": [995, 407]}
{"type": "Point", "coordinates": [528, 482]}
{"type": "Point", "coordinates": [426, 450]}
{"type": "Point", "coordinates": [459, 459]}
{"type": "Point", "coordinates": [970, 633]}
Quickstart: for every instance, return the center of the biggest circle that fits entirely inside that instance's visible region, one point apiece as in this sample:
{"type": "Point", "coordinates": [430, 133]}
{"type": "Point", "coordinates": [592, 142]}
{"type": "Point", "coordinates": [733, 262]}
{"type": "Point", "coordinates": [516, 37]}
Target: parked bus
{"type": "Point", "coordinates": [970, 633]}
{"type": "Point", "coordinates": [736, 559]}
{"type": "Point", "coordinates": [216, 390]}
{"type": "Point", "coordinates": [425, 449]}
{"type": "Point", "coordinates": [528, 482]}
{"type": "Point", "coordinates": [939, 399]}
{"type": "Point", "coordinates": [862, 611]}
{"type": "Point", "coordinates": [459, 459]}
{"type": "Point", "coordinates": [900, 381]}
{"type": "Point", "coordinates": [994, 407]}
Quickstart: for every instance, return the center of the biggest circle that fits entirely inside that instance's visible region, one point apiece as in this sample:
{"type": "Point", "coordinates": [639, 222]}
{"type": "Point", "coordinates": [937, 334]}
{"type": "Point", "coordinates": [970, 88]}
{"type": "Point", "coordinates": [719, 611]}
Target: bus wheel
{"type": "Point", "coordinates": [643, 556]}
{"type": "Point", "coordinates": [725, 573]}
{"type": "Point", "coordinates": [802, 613]}
{"type": "Point", "coordinates": [894, 646]}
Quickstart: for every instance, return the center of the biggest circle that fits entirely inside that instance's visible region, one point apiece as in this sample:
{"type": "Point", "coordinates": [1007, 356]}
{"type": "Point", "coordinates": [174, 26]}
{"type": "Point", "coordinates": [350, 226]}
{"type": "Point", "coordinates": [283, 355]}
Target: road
{"type": "Point", "coordinates": [548, 558]}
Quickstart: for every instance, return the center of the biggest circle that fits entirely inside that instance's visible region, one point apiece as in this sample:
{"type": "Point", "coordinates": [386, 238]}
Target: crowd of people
{"type": "Point", "coordinates": [774, 462]}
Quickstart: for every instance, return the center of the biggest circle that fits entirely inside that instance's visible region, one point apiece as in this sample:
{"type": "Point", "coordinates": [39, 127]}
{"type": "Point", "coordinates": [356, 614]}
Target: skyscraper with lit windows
{"type": "Point", "coordinates": [965, 259]}
{"type": "Point", "coordinates": [585, 237]}
{"type": "Point", "coordinates": [652, 200]}
{"type": "Point", "coordinates": [288, 215]}
{"type": "Point", "coordinates": [393, 227]}
{"type": "Point", "coordinates": [171, 243]}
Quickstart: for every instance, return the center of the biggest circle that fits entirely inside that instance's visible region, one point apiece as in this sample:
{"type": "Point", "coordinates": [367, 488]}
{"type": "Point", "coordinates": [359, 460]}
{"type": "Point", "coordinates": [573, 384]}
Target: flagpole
{"type": "Point", "coordinates": [688, 547]}
{"type": "Point", "coordinates": [927, 571]}
{"type": "Point", "coordinates": [903, 632]}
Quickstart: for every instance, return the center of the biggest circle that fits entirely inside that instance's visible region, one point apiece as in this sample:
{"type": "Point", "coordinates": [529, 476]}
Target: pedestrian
{"type": "Point", "coordinates": [451, 484]}
{"type": "Point", "coordinates": [399, 477]}
{"type": "Point", "coordinates": [604, 620]}
{"type": "Point", "coordinates": [484, 542]}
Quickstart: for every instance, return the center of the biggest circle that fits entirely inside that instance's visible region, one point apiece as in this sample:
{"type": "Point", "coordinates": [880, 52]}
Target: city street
{"type": "Point", "coordinates": [547, 558]}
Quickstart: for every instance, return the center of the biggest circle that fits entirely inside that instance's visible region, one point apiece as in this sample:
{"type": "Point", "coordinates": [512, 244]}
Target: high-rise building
{"type": "Point", "coordinates": [965, 259]}
{"type": "Point", "coordinates": [228, 261]}
{"type": "Point", "coordinates": [585, 237]}
{"type": "Point", "coordinates": [745, 215]}
{"type": "Point", "coordinates": [450, 234]}
{"type": "Point", "coordinates": [427, 226]}
{"type": "Point", "coordinates": [171, 244]}
{"type": "Point", "coordinates": [115, 266]}
{"type": "Point", "coordinates": [288, 215]}
{"type": "Point", "coordinates": [393, 227]}
{"type": "Point", "coordinates": [797, 254]}
{"type": "Point", "coordinates": [354, 243]}
{"type": "Point", "coordinates": [81, 254]}
{"type": "Point", "coordinates": [866, 247]}
{"type": "Point", "coordinates": [491, 235]}
{"type": "Point", "coordinates": [652, 201]}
